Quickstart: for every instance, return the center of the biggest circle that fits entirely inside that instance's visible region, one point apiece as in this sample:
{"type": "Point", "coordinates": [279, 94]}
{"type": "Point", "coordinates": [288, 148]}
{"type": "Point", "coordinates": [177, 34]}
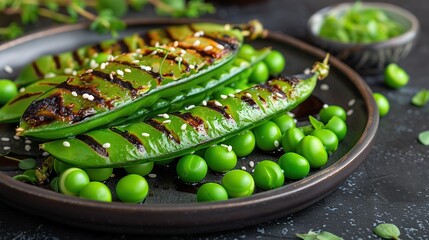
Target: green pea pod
{"type": "Point", "coordinates": [128, 83]}
{"type": "Point", "coordinates": [66, 62]}
{"type": "Point", "coordinates": [178, 133]}
{"type": "Point", "coordinates": [13, 110]}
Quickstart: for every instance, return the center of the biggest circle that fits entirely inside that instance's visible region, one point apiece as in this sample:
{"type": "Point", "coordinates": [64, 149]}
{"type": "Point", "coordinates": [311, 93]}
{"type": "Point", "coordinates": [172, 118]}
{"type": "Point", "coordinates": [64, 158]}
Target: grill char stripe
{"type": "Point", "coordinates": [160, 127]}
{"type": "Point", "coordinates": [57, 61]}
{"type": "Point", "coordinates": [76, 57]}
{"type": "Point", "coordinates": [24, 96]}
{"type": "Point", "coordinates": [218, 109]}
{"type": "Point", "coordinates": [36, 69]}
{"type": "Point", "coordinates": [92, 143]}
{"type": "Point", "coordinates": [117, 81]}
{"type": "Point", "coordinates": [196, 122]}
{"type": "Point", "coordinates": [123, 46]}
{"type": "Point", "coordinates": [131, 138]}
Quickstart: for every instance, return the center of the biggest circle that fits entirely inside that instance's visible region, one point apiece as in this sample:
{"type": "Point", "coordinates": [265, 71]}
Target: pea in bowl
{"type": "Point", "coordinates": [367, 36]}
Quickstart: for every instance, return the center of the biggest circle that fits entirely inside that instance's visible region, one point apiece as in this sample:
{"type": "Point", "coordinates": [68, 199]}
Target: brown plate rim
{"type": "Point", "coordinates": [195, 217]}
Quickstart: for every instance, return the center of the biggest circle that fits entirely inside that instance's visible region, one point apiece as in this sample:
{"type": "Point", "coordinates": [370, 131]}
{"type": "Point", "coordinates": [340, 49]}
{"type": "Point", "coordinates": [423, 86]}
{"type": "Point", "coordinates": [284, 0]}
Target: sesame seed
{"type": "Point", "coordinates": [120, 72]}
{"type": "Point", "coordinates": [251, 164]}
{"type": "Point", "coordinates": [136, 61]}
{"type": "Point", "coordinates": [324, 87]}
{"type": "Point", "coordinates": [189, 107]}
{"type": "Point", "coordinates": [229, 148]}
{"type": "Point", "coordinates": [93, 63]}
{"type": "Point", "coordinates": [91, 98]}
{"type": "Point", "coordinates": [218, 103]}
{"type": "Point", "coordinates": [89, 70]}
{"type": "Point", "coordinates": [248, 95]}
{"type": "Point", "coordinates": [227, 27]}
{"type": "Point", "coordinates": [172, 49]}
{"type": "Point", "coordinates": [243, 168]}
{"type": "Point", "coordinates": [224, 145]}
{"type": "Point", "coordinates": [74, 94]}
{"type": "Point", "coordinates": [164, 115]}
{"type": "Point", "coordinates": [152, 175]}
{"type": "Point", "coordinates": [85, 95]}
{"type": "Point", "coordinates": [208, 48]}
{"type": "Point", "coordinates": [350, 112]}
{"type": "Point", "coordinates": [74, 73]}
{"type": "Point", "coordinates": [5, 139]}
{"type": "Point", "coordinates": [145, 134]}
{"type": "Point", "coordinates": [111, 58]}
{"type": "Point", "coordinates": [192, 66]}
{"type": "Point", "coordinates": [28, 141]}
{"type": "Point", "coordinates": [352, 102]}
{"type": "Point", "coordinates": [111, 76]}
{"type": "Point", "coordinates": [50, 75]}
{"type": "Point", "coordinates": [199, 34]}
{"type": "Point", "coordinates": [8, 69]}
{"type": "Point", "coordinates": [68, 70]}
{"type": "Point", "coordinates": [157, 44]}
{"type": "Point", "coordinates": [223, 96]}
{"type": "Point", "coordinates": [166, 121]}
{"type": "Point", "coordinates": [154, 52]}
{"type": "Point", "coordinates": [325, 105]}
{"type": "Point", "coordinates": [127, 70]}
{"type": "Point", "coordinates": [16, 137]}
{"type": "Point", "coordinates": [155, 68]}
{"type": "Point", "coordinates": [291, 114]}
{"type": "Point", "coordinates": [231, 95]}
{"type": "Point", "coordinates": [66, 144]}
{"type": "Point", "coordinates": [106, 145]}
{"type": "Point", "coordinates": [175, 44]}
{"type": "Point", "coordinates": [21, 90]}
{"type": "Point", "coordinates": [6, 148]}
{"type": "Point", "coordinates": [196, 43]}
{"type": "Point", "coordinates": [27, 148]}
{"type": "Point", "coordinates": [307, 71]}
{"type": "Point", "coordinates": [279, 94]}
{"type": "Point", "coordinates": [276, 144]}
{"type": "Point", "coordinates": [183, 127]}
{"type": "Point", "coordinates": [220, 46]}
{"type": "Point", "coordinates": [204, 103]}
{"type": "Point", "coordinates": [45, 154]}
{"type": "Point", "coordinates": [178, 59]}
{"type": "Point", "coordinates": [146, 68]}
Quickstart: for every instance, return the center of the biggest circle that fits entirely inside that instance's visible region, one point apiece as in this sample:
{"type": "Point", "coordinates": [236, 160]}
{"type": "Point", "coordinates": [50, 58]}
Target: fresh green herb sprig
{"type": "Point", "coordinates": [311, 235]}
{"type": "Point", "coordinates": [104, 15]}
{"type": "Point", "coordinates": [387, 231]}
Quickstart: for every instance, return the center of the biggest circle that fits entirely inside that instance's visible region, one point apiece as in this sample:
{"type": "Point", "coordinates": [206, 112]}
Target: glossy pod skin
{"type": "Point", "coordinates": [183, 132]}
{"type": "Point", "coordinates": [128, 83]}
{"type": "Point", "coordinates": [13, 110]}
{"type": "Point", "coordinates": [67, 62]}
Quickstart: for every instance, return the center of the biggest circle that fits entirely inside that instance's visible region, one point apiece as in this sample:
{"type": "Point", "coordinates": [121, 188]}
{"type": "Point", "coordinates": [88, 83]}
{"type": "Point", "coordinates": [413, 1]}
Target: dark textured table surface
{"type": "Point", "coordinates": [390, 186]}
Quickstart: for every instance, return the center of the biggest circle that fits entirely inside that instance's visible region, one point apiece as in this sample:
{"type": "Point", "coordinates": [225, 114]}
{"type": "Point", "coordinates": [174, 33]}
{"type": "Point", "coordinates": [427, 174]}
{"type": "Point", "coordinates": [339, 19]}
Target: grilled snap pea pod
{"type": "Point", "coordinates": [178, 133]}
{"type": "Point", "coordinates": [128, 83]}
{"type": "Point", "coordinates": [67, 62]}
{"type": "Point", "coordinates": [13, 110]}
{"type": "Point", "coordinates": [198, 93]}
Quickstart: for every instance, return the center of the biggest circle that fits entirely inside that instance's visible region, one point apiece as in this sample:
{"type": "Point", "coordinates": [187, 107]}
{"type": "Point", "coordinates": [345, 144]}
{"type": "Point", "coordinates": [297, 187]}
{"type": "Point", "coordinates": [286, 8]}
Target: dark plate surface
{"type": "Point", "coordinates": [171, 207]}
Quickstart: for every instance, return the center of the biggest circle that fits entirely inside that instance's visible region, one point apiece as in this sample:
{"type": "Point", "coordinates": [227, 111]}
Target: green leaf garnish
{"type": "Point", "coordinates": [27, 164]}
{"type": "Point", "coordinates": [28, 176]}
{"type": "Point", "coordinates": [318, 236]}
{"type": "Point", "coordinates": [421, 98]}
{"type": "Point", "coordinates": [424, 138]}
{"type": "Point", "coordinates": [387, 231]}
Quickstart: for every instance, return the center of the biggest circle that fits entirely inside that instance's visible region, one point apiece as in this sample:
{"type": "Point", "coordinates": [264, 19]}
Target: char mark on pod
{"type": "Point", "coordinates": [160, 127]}
{"type": "Point", "coordinates": [80, 90]}
{"type": "Point", "coordinates": [274, 89]}
{"type": "Point", "coordinates": [214, 105]}
{"type": "Point", "coordinates": [46, 110]}
{"type": "Point", "coordinates": [57, 61]}
{"type": "Point", "coordinates": [123, 46]}
{"type": "Point", "coordinates": [116, 80]}
{"type": "Point", "coordinates": [24, 96]}
{"type": "Point", "coordinates": [92, 143]}
{"type": "Point", "coordinates": [296, 78]}
{"type": "Point", "coordinates": [249, 101]}
{"type": "Point", "coordinates": [131, 138]}
{"type": "Point", "coordinates": [194, 121]}
{"type": "Point", "coordinates": [37, 70]}
{"type": "Point", "coordinates": [76, 57]}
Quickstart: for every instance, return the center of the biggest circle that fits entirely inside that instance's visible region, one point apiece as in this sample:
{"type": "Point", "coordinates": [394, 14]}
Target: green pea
{"type": "Point", "coordinates": [246, 51]}
{"type": "Point", "coordinates": [328, 138]}
{"type": "Point", "coordinates": [238, 183]}
{"type": "Point", "coordinates": [8, 90]}
{"type": "Point", "coordinates": [141, 169]}
{"type": "Point", "coordinates": [191, 168]}
{"type": "Point", "coordinates": [284, 122]}
{"type": "Point", "coordinates": [268, 136]}
{"type": "Point", "coordinates": [220, 158]}
{"type": "Point", "coordinates": [294, 166]}
{"type": "Point", "coordinates": [338, 126]}
{"type": "Point", "coordinates": [382, 104]}
{"type": "Point", "coordinates": [259, 73]}
{"type": "Point", "coordinates": [327, 113]}
{"type": "Point", "coordinates": [275, 62]}
{"type": "Point", "coordinates": [99, 174]}
{"type": "Point", "coordinates": [312, 149]}
{"type": "Point", "coordinates": [395, 76]}
{"type": "Point", "coordinates": [242, 144]}
{"type": "Point", "coordinates": [268, 175]}
{"type": "Point", "coordinates": [132, 188]}
{"type": "Point", "coordinates": [72, 180]}
{"type": "Point", "coordinates": [96, 191]}
{"type": "Point", "coordinates": [211, 192]}
{"type": "Point", "coordinates": [291, 138]}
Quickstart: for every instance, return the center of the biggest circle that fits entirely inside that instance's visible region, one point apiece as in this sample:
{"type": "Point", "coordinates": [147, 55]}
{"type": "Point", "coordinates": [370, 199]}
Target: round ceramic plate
{"type": "Point", "coordinates": [171, 207]}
